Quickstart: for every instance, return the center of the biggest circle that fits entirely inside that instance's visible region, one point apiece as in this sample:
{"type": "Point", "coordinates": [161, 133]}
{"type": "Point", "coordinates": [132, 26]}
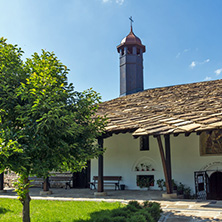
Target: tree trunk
{"type": "Point", "coordinates": [46, 184]}
{"type": "Point", "coordinates": [1, 181]}
{"type": "Point", "coordinates": [26, 209]}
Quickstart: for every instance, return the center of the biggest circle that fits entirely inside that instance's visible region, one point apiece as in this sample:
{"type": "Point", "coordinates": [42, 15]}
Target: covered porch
{"type": "Point", "coordinates": [163, 115]}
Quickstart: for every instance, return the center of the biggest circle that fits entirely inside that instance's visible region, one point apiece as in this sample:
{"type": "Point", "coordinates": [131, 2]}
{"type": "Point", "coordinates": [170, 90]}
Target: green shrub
{"type": "Point", "coordinates": [131, 208]}
{"type": "Point", "coordinates": [147, 203]}
{"type": "Point", "coordinates": [102, 218]}
{"type": "Point", "coordinates": [119, 219]}
{"type": "Point", "coordinates": [135, 204]}
{"type": "Point", "coordinates": [154, 209]}
{"type": "Point", "coordinates": [146, 214]}
{"type": "Point", "coordinates": [120, 212]}
{"type": "Point", "coordinates": [137, 218]}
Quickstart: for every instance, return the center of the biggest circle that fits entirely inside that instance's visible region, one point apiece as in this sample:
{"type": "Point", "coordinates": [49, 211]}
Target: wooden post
{"type": "Point", "coordinates": [169, 190]}
{"type": "Point", "coordinates": [168, 161]}
{"type": "Point", "coordinates": [2, 181]}
{"type": "Point", "coordinates": [100, 167]}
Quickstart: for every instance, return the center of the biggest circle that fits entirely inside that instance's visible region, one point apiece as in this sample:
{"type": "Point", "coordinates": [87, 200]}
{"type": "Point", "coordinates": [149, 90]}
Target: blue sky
{"type": "Point", "coordinates": [183, 38]}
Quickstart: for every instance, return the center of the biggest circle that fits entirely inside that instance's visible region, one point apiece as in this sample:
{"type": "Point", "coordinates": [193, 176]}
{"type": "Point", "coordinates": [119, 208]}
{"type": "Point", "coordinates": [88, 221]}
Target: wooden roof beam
{"type": "Point", "coordinates": [187, 134]}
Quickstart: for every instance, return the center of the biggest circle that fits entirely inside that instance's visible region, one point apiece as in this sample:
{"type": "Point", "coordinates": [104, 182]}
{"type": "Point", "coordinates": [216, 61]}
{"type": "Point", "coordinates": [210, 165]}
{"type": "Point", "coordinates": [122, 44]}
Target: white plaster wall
{"type": "Point", "coordinates": [186, 159]}
{"type": "Point", "coordinates": [122, 154]}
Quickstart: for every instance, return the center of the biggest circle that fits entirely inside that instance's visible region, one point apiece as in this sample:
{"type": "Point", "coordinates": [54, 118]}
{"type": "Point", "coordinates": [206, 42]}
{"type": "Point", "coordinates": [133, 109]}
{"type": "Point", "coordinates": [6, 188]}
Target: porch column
{"type": "Point", "coordinates": [168, 161]}
{"type": "Point", "coordinates": [166, 170]}
{"type": "Point", "coordinates": [2, 181]}
{"type": "Point", "coordinates": [100, 167]}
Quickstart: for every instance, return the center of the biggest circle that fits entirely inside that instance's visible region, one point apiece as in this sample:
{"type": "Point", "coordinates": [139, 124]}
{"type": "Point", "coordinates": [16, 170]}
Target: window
{"type": "Point", "coordinates": [122, 52]}
{"type": "Point", "coordinates": [130, 50]}
{"type": "Point", "coordinates": [138, 51]}
{"type": "Point", "coordinates": [144, 143]}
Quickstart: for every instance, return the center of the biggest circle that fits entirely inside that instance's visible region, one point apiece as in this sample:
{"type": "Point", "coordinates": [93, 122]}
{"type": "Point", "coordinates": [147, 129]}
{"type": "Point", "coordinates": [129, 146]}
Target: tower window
{"type": "Point", "coordinates": [130, 50]}
{"type": "Point", "coordinates": [144, 143]}
{"type": "Point", "coordinates": [138, 51]}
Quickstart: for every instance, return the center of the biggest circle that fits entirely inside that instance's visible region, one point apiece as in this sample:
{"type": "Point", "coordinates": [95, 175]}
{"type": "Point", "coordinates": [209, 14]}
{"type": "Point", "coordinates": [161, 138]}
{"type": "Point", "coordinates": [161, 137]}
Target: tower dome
{"type": "Point", "coordinates": [131, 39]}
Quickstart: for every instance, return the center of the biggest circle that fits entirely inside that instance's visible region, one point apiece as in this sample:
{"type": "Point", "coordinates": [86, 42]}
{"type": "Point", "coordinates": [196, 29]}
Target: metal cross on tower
{"type": "Point", "coordinates": [131, 21]}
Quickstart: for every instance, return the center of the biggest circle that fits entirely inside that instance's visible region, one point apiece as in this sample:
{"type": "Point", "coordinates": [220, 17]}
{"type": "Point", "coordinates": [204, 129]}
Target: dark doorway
{"type": "Point", "coordinates": [215, 185]}
{"type": "Point", "coordinates": [82, 179]}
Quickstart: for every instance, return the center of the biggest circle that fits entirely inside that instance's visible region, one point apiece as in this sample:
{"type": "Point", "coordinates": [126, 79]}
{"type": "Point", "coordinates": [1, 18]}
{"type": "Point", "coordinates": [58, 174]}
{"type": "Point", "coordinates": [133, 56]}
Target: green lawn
{"type": "Point", "coordinates": [43, 210]}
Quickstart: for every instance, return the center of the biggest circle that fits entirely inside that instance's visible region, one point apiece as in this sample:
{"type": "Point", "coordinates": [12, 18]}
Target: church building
{"type": "Point", "coordinates": [170, 133]}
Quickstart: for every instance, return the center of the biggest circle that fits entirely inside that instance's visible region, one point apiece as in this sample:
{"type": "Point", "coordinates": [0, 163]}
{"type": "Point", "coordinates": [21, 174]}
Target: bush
{"type": "Point", "coordinates": [120, 212]}
{"type": "Point", "coordinates": [137, 218]}
{"type": "Point", "coordinates": [102, 218]}
{"type": "Point", "coordinates": [119, 219]}
{"type": "Point", "coordinates": [132, 212]}
{"type": "Point", "coordinates": [154, 209]}
{"type": "Point", "coordinates": [135, 204]}
{"type": "Point", "coordinates": [145, 214]}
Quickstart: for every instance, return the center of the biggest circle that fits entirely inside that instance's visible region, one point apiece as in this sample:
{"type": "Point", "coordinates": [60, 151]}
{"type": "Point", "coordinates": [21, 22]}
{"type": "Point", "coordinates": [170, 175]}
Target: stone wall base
{"type": "Point", "coordinates": [99, 194]}
{"type": "Point", "coordinates": [170, 196]}
{"type": "Point", "coordinates": [49, 192]}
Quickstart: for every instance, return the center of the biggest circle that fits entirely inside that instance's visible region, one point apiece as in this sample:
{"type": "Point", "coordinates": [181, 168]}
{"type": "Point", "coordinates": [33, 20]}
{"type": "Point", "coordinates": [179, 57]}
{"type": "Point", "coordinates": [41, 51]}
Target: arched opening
{"type": "Point", "coordinates": [215, 183]}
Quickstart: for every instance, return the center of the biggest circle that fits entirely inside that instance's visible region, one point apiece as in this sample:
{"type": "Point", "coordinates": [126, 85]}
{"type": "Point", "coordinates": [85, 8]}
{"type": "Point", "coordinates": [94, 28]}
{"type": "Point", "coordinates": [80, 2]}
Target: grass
{"type": "Point", "coordinates": [53, 211]}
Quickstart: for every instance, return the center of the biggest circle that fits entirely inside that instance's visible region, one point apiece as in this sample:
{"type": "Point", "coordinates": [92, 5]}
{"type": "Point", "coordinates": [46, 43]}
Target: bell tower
{"type": "Point", "coordinates": [131, 63]}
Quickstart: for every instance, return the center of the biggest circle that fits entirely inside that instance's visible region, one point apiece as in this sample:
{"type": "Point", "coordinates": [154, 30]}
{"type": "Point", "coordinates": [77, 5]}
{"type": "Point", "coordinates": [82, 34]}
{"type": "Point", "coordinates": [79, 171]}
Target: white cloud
{"type": "Point", "coordinates": [186, 50]}
{"type": "Point", "coordinates": [207, 78]}
{"type": "Point", "coordinates": [120, 2]}
{"type": "Point", "coordinates": [205, 61]}
{"type": "Point", "coordinates": [218, 71]}
{"type": "Point", "coordinates": [193, 64]}
{"type": "Point", "coordinates": [178, 55]}
{"type": "Point", "coordinates": [181, 53]}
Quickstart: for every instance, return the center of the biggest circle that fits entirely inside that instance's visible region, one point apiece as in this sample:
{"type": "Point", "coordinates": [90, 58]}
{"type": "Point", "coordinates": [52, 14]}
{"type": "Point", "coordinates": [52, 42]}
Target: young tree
{"type": "Point", "coordinates": [44, 124]}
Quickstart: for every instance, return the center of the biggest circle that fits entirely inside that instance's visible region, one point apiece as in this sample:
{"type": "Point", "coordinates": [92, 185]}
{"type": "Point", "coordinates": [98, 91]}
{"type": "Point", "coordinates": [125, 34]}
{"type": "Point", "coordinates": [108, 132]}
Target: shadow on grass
{"type": "Point", "coordinates": [4, 210]}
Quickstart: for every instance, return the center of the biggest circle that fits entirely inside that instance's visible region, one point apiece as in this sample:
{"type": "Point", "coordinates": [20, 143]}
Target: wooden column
{"type": "Point", "coordinates": [168, 161]}
{"type": "Point", "coordinates": [165, 169]}
{"type": "Point", "coordinates": [1, 181]}
{"type": "Point", "coordinates": [100, 167]}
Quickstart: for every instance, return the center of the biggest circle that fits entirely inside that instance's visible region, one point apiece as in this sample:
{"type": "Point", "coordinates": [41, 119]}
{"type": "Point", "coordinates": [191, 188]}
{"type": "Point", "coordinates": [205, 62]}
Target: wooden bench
{"type": "Point", "coordinates": [36, 181]}
{"type": "Point", "coordinates": [108, 180]}
{"type": "Point", "coordinates": [67, 179]}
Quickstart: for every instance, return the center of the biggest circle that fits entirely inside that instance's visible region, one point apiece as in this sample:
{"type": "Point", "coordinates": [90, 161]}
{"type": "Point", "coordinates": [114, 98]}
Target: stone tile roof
{"type": "Point", "coordinates": [175, 109]}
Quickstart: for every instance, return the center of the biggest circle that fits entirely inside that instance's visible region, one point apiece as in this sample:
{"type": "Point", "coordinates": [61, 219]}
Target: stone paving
{"type": "Point", "coordinates": [187, 211]}
{"type": "Point", "coordinates": [173, 210]}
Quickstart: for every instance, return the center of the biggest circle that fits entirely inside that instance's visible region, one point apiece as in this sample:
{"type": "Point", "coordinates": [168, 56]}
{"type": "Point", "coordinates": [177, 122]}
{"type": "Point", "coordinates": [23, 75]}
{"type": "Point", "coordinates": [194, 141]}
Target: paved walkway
{"type": "Point", "coordinates": [173, 210]}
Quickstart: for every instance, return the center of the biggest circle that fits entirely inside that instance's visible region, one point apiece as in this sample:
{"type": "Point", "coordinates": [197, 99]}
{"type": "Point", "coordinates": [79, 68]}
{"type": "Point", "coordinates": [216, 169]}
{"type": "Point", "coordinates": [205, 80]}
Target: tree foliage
{"type": "Point", "coordinates": [44, 124]}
